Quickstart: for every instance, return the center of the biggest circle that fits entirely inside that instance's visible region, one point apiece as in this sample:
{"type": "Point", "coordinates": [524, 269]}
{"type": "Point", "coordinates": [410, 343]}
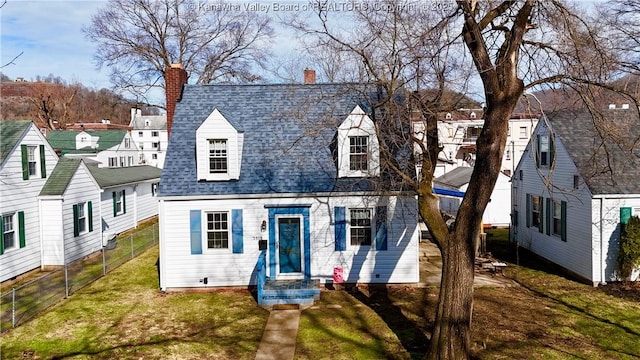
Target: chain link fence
{"type": "Point", "coordinates": [26, 301]}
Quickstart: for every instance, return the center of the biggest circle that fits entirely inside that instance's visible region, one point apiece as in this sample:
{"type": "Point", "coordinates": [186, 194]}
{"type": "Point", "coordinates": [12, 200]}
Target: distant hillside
{"type": "Point", "coordinates": [53, 101]}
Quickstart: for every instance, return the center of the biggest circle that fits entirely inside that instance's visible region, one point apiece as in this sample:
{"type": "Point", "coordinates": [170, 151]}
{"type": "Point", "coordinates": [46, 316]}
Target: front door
{"type": "Point", "coordinates": [289, 248]}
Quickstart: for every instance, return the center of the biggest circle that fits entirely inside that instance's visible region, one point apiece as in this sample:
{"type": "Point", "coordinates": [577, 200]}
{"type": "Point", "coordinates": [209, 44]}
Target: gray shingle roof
{"type": "Point", "coordinates": [109, 177]}
{"type": "Point", "coordinates": [289, 138]}
{"type": "Point", "coordinates": [60, 176]}
{"type": "Point", "coordinates": [156, 122]}
{"type": "Point", "coordinates": [604, 150]}
{"type": "Point", "coordinates": [11, 131]}
{"type": "Point", "coordinates": [456, 177]}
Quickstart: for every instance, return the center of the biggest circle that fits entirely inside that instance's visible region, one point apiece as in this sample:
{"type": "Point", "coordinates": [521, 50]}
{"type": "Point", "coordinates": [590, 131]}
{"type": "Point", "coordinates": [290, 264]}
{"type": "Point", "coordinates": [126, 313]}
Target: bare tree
{"type": "Point", "coordinates": [214, 41]}
{"type": "Point", "coordinates": [511, 47]}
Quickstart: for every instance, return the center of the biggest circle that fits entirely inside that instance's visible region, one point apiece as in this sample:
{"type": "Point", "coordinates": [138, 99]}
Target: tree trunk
{"type": "Point", "coordinates": [451, 334]}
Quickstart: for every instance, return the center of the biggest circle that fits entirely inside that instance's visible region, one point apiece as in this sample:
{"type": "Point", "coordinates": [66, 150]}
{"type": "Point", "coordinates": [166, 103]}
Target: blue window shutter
{"type": "Point", "coordinates": [340, 228]}
{"type": "Point", "coordinates": [25, 162]}
{"type": "Point", "coordinates": [90, 215]}
{"type": "Point", "coordinates": [21, 235]}
{"type": "Point", "coordinates": [115, 208]}
{"type": "Point", "coordinates": [236, 231]}
{"type": "Point", "coordinates": [195, 226]}
{"type": "Point", "coordinates": [124, 202]}
{"type": "Point", "coordinates": [43, 163]}
{"type": "Point", "coordinates": [563, 221]}
{"type": "Point", "coordinates": [528, 210]}
{"type": "Point", "coordinates": [75, 220]}
{"type": "Point", "coordinates": [381, 228]}
{"type": "Point", "coordinates": [549, 217]}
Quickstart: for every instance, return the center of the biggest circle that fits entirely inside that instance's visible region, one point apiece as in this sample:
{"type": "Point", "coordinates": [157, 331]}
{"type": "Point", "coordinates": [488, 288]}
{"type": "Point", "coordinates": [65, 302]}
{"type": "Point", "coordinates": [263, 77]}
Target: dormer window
{"type": "Point", "coordinates": [358, 149]}
{"type": "Point", "coordinates": [544, 150]}
{"type": "Point", "coordinates": [217, 156]}
{"type": "Point", "coordinates": [218, 149]}
{"type": "Point", "coordinates": [358, 153]}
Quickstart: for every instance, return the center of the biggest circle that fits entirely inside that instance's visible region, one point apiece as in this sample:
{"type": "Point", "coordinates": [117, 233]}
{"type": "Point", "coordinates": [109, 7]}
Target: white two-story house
{"type": "Point", "coordinates": [151, 136]}
{"type": "Point", "coordinates": [107, 148]}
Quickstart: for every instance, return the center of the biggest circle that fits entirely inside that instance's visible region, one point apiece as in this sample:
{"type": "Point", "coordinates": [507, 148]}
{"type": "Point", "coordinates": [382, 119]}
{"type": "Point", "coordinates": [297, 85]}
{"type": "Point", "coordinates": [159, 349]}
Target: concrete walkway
{"type": "Point", "coordinates": [279, 337]}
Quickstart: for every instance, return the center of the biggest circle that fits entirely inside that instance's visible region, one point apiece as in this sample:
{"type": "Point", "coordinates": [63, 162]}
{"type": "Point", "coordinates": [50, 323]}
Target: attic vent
{"type": "Point", "coordinates": [448, 116]}
{"type": "Point", "coordinates": [473, 115]}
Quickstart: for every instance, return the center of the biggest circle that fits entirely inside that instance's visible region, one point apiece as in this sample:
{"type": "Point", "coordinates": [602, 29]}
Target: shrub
{"type": "Point", "coordinates": [629, 252]}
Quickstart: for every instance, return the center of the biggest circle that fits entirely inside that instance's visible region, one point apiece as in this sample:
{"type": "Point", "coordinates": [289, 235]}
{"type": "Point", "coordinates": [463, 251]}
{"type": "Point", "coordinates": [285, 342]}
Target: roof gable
{"type": "Point", "coordinates": [605, 151]}
{"type": "Point", "coordinates": [11, 132]}
{"type": "Point", "coordinates": [65, 140]}
{"type": "Point", "coordinates": [60, 177]}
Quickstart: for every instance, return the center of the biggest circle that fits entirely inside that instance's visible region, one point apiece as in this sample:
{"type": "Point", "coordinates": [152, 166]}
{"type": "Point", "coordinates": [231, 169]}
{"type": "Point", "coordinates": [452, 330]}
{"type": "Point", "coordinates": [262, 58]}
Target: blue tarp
{"type": "Point", "coordinates": [448, 192]}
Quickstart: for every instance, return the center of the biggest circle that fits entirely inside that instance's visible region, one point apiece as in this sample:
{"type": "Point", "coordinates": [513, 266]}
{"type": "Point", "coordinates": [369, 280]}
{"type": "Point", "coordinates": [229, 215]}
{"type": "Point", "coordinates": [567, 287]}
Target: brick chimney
{"type": "Point", "coordinates": [309, 76]}
{"type": "Point", "coordinates": [175, 77]}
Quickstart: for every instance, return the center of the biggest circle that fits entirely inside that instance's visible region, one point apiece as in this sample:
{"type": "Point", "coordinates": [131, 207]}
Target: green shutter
{"type": "Point", "coordinates": [25, 162]}
{"type": "Point", "coordinates": [563, 221]}
{"type": "Point", "coordinates": [541, 207]}
{"type": "Point", "coordinates": [43, 163]}
{"type": "Point", "coordinates": [549, 217]}
{"type": "Point", "coordinates": [625, 214]}
{"type": "Point", "coordinates": [115, 208]}
{"type": "Point", "coordinates": [23, 240]}
{"type": "Point", "coordinates": [75, 220]}
{"type": "Point", "coordinates": [1, 235]}
{"type": "Point", "coordinates": [537, 152]}
{"type": "Point", "coordinates": [552, 150]}
{"type": "Point", "coordinates": [528, 210]}
{"type": "Point", "coordinates": [124, 202]}
{"type": "Point", "coordinates": [90, 215]}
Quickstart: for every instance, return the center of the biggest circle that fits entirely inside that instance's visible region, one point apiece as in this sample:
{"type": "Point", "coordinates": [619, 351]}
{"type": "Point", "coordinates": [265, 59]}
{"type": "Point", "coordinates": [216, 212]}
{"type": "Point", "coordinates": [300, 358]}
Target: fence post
{"type": "Point", "coordinates": [104, 261]}
{"type": "Point", "coordinates": [66, 281]}
{"type": "Point", "coordinates": [153, 232]}
{"type": "Point", "coordinates": [131, 240]}
{"type": "Point", "coordinates": [13, 308]}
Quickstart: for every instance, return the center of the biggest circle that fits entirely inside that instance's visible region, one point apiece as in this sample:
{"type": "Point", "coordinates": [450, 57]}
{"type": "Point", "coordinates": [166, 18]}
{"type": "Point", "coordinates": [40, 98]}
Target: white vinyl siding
{"type": "Point", "coordinates": [19, 195]}
{"type": "Point", "coordinates": [181, 269]}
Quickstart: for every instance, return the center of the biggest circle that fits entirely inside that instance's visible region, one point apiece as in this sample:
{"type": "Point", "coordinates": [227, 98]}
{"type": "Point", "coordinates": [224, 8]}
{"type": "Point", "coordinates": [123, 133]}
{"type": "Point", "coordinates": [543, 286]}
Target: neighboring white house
{"type": "Point", "coordinates": [26, 161]}
{"type": "Point", "coordinates": [575, 187]}
{"type": "Point", "coordinates": [498, 210]}
{"type": "Point", "coordinates": [55, 210]}
{"type": "Point", "coordinates": [459, 130]}
{"type": "Point", "coordinates": [109, 148]}
{"type": "Point", "coordinates": [150, 134]}
{"type": "Point", "coordinates": [85, 205]}
{"type": "Point", "coordinates": [294, 169]}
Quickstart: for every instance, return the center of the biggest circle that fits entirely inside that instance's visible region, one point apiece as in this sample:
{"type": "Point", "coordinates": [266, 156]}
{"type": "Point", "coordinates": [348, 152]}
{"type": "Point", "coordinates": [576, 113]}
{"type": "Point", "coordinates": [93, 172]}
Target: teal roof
{"type": "Point", "coordinates": [60, 177]}
{"type": "Point", "coordinates": [65, 140]}
{"type": "Point", "coordinates": [109, 177]}
{"type": "Point", "coordinates": [11, 131]}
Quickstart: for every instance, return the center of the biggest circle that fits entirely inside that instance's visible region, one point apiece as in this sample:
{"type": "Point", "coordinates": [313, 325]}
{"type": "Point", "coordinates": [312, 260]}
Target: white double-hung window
{"type": "Point", "coordinates": [217, 156]}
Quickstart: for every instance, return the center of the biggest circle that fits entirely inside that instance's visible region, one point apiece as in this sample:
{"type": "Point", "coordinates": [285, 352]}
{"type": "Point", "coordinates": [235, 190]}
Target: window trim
{"type": "Point", "coordinates": [12, 217]}
{"type": "Point", "coordinates": [350, 227]}
{"type": "Point", "coordinates": [220, 157]}
{"type": "Point", "coordinates": [206, 231]}
{"type": "Point", "coordinates": [359, 142]}
{"type": "Point", "coordinates": [119, 198]}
